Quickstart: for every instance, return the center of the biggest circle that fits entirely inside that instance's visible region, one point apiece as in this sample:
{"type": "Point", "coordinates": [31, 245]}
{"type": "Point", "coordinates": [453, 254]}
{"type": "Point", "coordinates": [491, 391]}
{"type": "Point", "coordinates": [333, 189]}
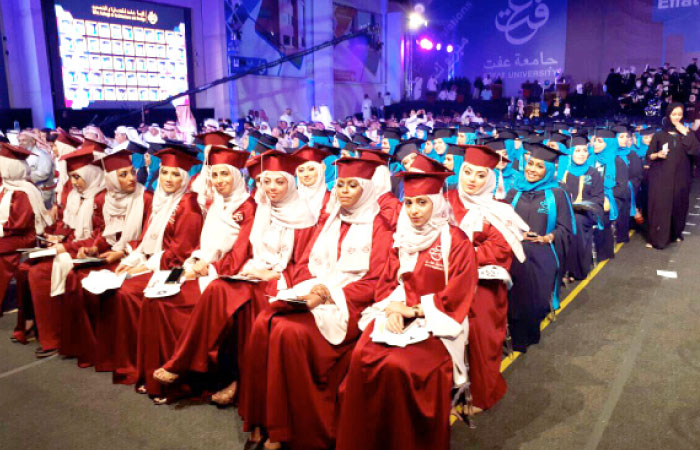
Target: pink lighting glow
{"type": "Point", "coordinates": [426, 44]}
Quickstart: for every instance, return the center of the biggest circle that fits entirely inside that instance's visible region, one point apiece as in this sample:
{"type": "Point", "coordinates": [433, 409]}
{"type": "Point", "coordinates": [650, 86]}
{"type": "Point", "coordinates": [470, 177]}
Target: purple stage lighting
{"type": "Point", "coordinates": [438, 47]}
{"type": "Point", "coordinates": [426, 44]}
{"type": "Point", "coordinates": [449, 48]}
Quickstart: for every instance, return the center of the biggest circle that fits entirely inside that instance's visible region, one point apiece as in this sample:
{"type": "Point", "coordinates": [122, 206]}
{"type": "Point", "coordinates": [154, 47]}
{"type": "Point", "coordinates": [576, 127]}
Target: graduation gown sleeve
{"type": "Point", "coordinates": [233, 261]}
{"type": "Point", "coordinates": [181, 235]}
{"type": "Point", "coordinates": [18, 231]}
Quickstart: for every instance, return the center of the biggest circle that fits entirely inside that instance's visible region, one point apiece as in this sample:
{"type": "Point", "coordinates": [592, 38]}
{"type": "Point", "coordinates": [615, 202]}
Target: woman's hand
{"type": "Point", "coordinates": [121, 268]}
{"type": "Point", "coordinates": [59, 248]}
{"type": "Point", "coordinates": [138, 269]}
{"type": "Point", "coordinates": [262, 274]}
{"type": "Point", "coordinates": [200, 268]}
{"type": "Point", "coordinates": [323, 292]}
{"type": "Point", "coordinates": [53, 238]}
{"type": "Point", "coordinates": [394, 323]}
{"type": "Point", "coordinates": [84, 252]}
{"type": "Point", "coordinates": [682, 129]}
{"type": "Point", "coordinates": [401, 308]}
{"type": "Point", "coordinates": [112, 257]}
{"type": "Point", "coordinates": [190, 275]}
{"type": "Point", "coordinates": [312, 300]}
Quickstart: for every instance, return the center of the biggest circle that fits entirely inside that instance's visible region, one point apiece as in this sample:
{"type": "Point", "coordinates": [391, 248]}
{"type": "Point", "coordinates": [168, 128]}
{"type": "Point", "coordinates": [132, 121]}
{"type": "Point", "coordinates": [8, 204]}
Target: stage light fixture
{"type": "Point", "coordinates": [426, 44]}
{"type": "Point", "coordinates": [438, 47]}
{"type": "Point", "coordinates": [449, 48]}
{"type": "Point", "coordinates": [416, 20]}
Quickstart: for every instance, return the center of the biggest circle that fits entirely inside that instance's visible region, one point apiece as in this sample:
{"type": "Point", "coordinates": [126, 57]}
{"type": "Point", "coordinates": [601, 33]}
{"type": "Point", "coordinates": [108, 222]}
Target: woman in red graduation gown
{"type": "Point", "coordinates": [296, 358]}
{"type": "Point", "coordinates": [282, 228]}
{"type": "Point", "coordinates": [496, 231]}
{"type": "Point", "coordinates": [22, 212]}
{"type": "Point", "coordinates": [224, 240]}
{"type": "Point", "coordinates": [312, 186]}
{"type": "Point", "coordinates": [398, 389]}
{"type": "Point", "coordinates": [170, 237]}
{"type": "Point", "coordinates": [81, 222]}
{"type": "Point", "coordinates": [127, 206]}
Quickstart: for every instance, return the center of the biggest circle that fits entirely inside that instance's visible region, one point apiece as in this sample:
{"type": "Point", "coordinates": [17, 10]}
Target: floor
{"type": "Point", "coordinates": [618, 369]}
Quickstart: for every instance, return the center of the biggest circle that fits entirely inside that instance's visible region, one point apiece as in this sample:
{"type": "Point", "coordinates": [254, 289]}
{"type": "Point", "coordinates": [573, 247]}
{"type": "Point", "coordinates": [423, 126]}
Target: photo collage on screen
{"type": "Point", "coordinates": [104, 61]}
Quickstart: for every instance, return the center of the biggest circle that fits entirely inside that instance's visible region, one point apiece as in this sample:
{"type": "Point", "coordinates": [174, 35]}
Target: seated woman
{"type": "Point", "coordinates": [81, 222]}
{"type": "Point", "coordinates": [223, 246]}
{"type": "Point", "coordinates": [282, 229]}
{"type": "Point", "coordinates": [585, 187]}
{"type": "Point", "coordinates": [496, 232]}
{"type": "Point", "coordinates": [399, 396]}
{"type": "Point", "coordinates": [166, 243]}
{"type": "Point", "coordinates": [546, 208]}
{"type": "Point", "coordinates": [297, 356]}
{"type": "Point", "coordinates": [629, 173]}
{"type": "Point", "coordinates": [22, 216]}
{"type": "Point", "coordinates": [454, 158]}
{"type": "Point", "coordinates": [604, 145]}
{"type": "Point", "coordinates": [312, 183]}
{"type": "Point", "coordinates": [126, 207]}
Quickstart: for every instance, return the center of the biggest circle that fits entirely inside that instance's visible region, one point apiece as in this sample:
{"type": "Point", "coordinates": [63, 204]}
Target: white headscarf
{"type": "Point", "coordinates": [164, 205]}
{"type": "Point", "coordinates": [63, 149]}
{"type": "Point", "coordinates": [314, 195]}
{"type": "Point", "coordinates": [220, 231]}
{"type": "Point", "coordinates": [353, 261]}
{"type": "Point", "coordinates": [382, 180]}
{"type": "Point", "coordinates": [80, 205]}
{"type": "Point", "coordinates": [411, 240]}
{"type": "Point", "coordinates": [482, 206]}
{"type": "Point", "coordinates": [13, 173]}
{"type": "Point", "coordinates": [123, 213]}
{"type": "Point", "coordinates": [272, 236]}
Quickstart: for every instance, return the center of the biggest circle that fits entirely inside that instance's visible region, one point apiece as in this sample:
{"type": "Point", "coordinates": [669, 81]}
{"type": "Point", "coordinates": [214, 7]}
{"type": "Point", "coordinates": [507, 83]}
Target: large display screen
{"type": "Point", "coordinates": [120, 51]}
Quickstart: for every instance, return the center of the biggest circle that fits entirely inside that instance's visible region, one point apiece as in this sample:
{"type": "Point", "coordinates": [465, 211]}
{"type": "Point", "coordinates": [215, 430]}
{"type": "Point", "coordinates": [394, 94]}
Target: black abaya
{"type": "Point", "coordinates": [669, 186]}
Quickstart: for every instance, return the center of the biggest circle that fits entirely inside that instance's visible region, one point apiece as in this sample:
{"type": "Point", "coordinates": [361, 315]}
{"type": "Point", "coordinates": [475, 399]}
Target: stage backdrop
{"type": "Point", "coordinates": [516, 40]}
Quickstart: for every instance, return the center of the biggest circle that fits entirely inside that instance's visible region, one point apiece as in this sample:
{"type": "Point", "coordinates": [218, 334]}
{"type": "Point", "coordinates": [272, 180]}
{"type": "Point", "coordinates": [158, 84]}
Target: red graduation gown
{"type": "Point", "coordinates": [117, 327]}
{"type": "Point", "coordinates": [227, 309]}
{"type": "Point", "coordinates": [389, 208]}
{"type": "Point", "coordinates": [488, 316]}
{"type": "Point", "coordinates": [163, 320]}
{"type": "Point", "coordinates": [47, 309]}
{"type": "Point", "coordinates": [80, 308]}
{"type": "Point", "coordinates": [292, 374]}
{"type": "Point", "coordinates": [18, 232]}
{"type": "Point", "coordinates": [400, 398]}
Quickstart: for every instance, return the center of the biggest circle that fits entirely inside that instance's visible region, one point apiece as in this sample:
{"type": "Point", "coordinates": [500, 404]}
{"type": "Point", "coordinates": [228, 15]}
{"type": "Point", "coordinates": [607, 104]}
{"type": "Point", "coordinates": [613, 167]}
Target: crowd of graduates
{"type": "Point", "coordinates": [343, 285]}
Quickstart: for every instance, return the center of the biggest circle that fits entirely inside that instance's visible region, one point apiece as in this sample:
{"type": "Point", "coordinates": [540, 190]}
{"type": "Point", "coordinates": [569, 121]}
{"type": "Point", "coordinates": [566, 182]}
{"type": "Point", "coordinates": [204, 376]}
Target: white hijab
{"type": "Point", "coordinates": [382, 180]}
{"type": "Point", "coordinates": [63, 149]}
{"type": "Point", "coordinates": [314, 195]}
{"type": "Point", "coordinates": [123, 213]}
{"type": "Point", "coordinates": [220, 231]}
{"type": "Point", "coordinates": [353, 261]}
{"type": "Point", "coordinates": [411, 240]}
{"type": "Point", "coordinates": [164, 205]}
{"type": "Point", "coordinates": [80, 205]}
{"type": "Point", "coordinates": [482, 206]}
{"type": "Point", "coordinates": [272, 236]}
{"type": "Point", "coordinates": [14, 173]}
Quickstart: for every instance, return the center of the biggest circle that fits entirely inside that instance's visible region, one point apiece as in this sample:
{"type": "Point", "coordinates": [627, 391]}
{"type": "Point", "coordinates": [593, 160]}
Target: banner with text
{"type": "Point", "coordinates": [515, 40]}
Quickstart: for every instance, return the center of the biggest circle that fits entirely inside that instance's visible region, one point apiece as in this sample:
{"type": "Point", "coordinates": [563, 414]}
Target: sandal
{"type": "Point", "coordinates": [41, 353]}
{"type": "Point", "coordinates": [24, 337]}
{"type": "Point", "coordinates": [141, 389]}
{"type": "Point", "coordinates": [164, 377]}
{"type": "Point", "coordinates": [160, 401]}
{"type": "Point", "coordinates": [225, 396]}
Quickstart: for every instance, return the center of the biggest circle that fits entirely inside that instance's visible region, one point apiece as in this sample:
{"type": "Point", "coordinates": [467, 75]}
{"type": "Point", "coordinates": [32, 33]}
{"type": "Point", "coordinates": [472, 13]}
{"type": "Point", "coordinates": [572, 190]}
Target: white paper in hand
{"type": "Point", "coordinates": [100, 281]}
{"type": "Point", "coordinates": [416, 332]}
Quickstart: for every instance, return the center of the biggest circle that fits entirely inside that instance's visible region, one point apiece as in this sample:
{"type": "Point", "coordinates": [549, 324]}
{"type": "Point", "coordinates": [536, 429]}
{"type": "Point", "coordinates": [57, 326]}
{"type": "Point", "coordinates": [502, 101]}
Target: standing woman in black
{"type": "Point", "coordinates": [669, 155]}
